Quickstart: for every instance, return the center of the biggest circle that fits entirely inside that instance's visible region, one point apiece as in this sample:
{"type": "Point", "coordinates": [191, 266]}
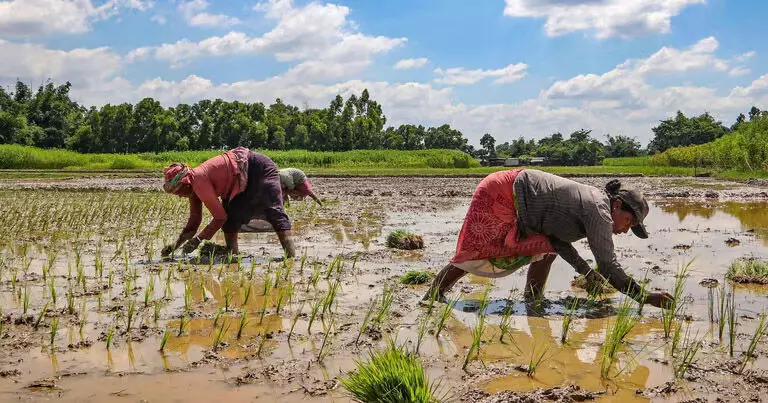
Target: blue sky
{"type": "Point", "coordinates": [507, 67]}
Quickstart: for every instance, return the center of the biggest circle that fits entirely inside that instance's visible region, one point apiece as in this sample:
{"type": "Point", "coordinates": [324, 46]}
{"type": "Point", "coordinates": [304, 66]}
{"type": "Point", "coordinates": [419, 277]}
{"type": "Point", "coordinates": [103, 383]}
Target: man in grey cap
{"type": "Point", "coordinates": [529, 217]}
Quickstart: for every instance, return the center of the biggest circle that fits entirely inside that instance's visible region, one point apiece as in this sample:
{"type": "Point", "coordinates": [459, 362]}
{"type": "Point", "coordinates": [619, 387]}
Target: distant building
{"type": "Point", "coordinates": [538, 161]}
{"type": "Point", "coordinates": [504, 162]}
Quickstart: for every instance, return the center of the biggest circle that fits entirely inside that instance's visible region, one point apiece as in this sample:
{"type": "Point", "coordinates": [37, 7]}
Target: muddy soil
{"type": "Point", "coordinates": [202, 305]}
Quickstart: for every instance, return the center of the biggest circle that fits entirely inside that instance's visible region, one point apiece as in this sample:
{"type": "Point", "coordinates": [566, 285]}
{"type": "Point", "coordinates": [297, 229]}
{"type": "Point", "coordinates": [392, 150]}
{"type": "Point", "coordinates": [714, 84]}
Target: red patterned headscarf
{"type": "Point", "coordinates": [175, 175]}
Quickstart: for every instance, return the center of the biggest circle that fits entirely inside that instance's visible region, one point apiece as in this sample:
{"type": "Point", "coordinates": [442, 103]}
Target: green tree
{"type": "Point", "coordinates": [683, 131]}
{"type": "Point", "coordinates": [621, 146]}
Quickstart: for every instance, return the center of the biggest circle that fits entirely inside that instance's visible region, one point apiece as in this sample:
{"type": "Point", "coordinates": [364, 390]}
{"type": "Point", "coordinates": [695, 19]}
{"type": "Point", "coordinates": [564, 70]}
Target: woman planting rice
{"type": "Point", "coordinates": [248, 184]}
{"type": "Point", "coordinates": [528, 217]}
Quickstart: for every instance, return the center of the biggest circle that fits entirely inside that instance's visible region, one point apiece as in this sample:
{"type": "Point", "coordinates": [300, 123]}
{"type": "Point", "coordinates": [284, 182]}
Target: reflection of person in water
{"type": "Point", "coordinates": [528, 217]}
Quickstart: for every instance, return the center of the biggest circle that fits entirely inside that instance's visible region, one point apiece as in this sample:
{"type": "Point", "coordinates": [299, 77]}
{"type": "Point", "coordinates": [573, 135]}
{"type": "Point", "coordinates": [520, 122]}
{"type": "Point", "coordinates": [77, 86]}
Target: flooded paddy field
{"type": "Point", "coordinates": [91, 313]}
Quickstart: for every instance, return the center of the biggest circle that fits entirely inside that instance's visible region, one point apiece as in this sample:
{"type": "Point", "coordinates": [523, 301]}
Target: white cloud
{"type": "Point", "coordinates": [405, 64]}
{"type": "Point", "coordinates": [746, 56]}
{"type": "Point", "coordinates": [739, 71]}
{"type": "Point", "coordinates": [82, 67]}
{"type": "Point", "coordinates": [317, 36]}
{"type": "Point", "coordinates": [195, 15]}
{"type": "Point", "coordinates": [19, 18]}
{"type": "Point", "coordinates": [606, 18]}
{"type": "Point", "coordinates": [627, 80]}
{"type": "Point", "coordinates": [159, 19]}
{"type": "Point", "coordinates": [462, 76]}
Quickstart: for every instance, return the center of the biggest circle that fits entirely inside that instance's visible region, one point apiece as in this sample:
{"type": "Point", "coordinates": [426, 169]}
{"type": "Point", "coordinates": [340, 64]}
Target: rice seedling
{"type": "Point", "coordinates": [243, 322]}
{"type": "Point", "coordinates": [156, 311]}
{"type": "Point", "coordinates": [325, 346]}
{"type": "Point", "coordinates": [220, 335]}
{"type": "Point", "coordinates": [721, 313]}
{"type": "Point", "coordinates": [391, 376]}
{"type": "Point", "coordinates": [54, 328]}
{"type": "Point", "coordinates": [314, 278]}
{"type": "Point", "coordinates": [282, 297]}
{"type": "Point", "coordinates": [130, 315]}
{"type": "Point", "coordinates": [40, 316]}
{"type": "Point", "coordinates": [187, 297]}
{"type": "Point", "coordinates": [295, 319]}
{"type": "Point", "coordinates": [689, 352]}
{"type": "Point", "coordinates": [110, 336]}
{"type": "Point", "coordinates": [110, 277]}
{"type": "Point", "coordinates": [247, 294]}
{"type": "Point", "coordinates": [366, 319]}
{"type": "Point", "coordinates": [330, 296]}
{"type": "Point", "coordinates": [164, 340]}
{"type": "Point", "coordinates": [303, 261]}
{"type": "Point", "coordinates": [444, 315]}
{"type": "Point", "coordinates": [626, 319]}
{"type": "Point", "coordinates": [182, 325]}
{"type": "Point", "coordinates": [313, 310]}
{"type": "Point", "coordinates": [478, 329]}
{"type": "Point", "coordinates": [25, 303]}
{"type": "Point", "coordinates": [70, 301]}
{"type": "Point", "coordinates": [732, 322]}
{"type": "Point", "coordinates": [760, 331]}
{"type": "Point", "coordinates": [227, 295]}
{"type": "Point", "coordinates": [676, 338]}
{"type": "Point", "coordinates": [267, 285]}
{"type": "Point", "coordinates": [386, 301]}
{"type": "Point", "coordinates": [668, 315]}
{"type": "Point", "coordinates": [403, 239]}
{"type": "Point", "coordinates": [149, 290]}
{"type": "Point", "coordinates": [413, 277]}
{"type": "Point", "coordinates": [538, 356]}
{"type": "Point", "coordinates": [570, 310]}
{"type": "Point", "coordinates": [422, 330]}
{"type": "Point", "coordinates": [262, 313]}
{"type": "Point", "coordinates": [216, 317]}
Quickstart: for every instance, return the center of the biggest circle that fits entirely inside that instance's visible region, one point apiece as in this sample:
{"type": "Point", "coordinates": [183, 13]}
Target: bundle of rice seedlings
{"type": "Point", "coordinates": [402, 239]}
{"type": "Point", "coordinates": [392, 375]}
{"type": "Point", "coordinates": [415, 277]}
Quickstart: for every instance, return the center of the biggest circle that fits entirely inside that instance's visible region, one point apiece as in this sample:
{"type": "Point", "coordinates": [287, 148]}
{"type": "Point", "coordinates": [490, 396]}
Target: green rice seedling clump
{"type": "Point", "coordinates": [391, 376]}
{"type": "Point", "coordinates": [416, 277]}
{"type": "Point", "coordinates": [749, 270]}
{"type": "Point", "coordinates": [402, 239]}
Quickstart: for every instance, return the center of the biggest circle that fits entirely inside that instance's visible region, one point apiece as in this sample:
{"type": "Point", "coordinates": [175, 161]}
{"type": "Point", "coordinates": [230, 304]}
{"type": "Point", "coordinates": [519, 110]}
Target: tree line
{"type": "Point", "coordinates": [49, 118]}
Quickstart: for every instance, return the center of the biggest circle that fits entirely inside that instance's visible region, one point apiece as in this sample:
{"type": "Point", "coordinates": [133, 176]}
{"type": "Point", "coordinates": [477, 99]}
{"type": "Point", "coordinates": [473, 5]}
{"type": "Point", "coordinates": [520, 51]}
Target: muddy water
{"type": "Point", "coordinates": [189, 370]}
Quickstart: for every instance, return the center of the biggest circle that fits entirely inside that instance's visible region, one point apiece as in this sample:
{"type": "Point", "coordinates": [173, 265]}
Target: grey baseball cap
{"type": "Point", "coordinates": [635, 200]}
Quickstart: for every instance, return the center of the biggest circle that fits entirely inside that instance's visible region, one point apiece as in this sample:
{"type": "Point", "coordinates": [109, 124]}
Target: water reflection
{"type": "Point", "coordinates": [751, 216]}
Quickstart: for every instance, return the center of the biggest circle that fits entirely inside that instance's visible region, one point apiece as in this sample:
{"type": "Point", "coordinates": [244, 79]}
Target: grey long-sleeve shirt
{"type": "Point", "coordinates": [567, 211]}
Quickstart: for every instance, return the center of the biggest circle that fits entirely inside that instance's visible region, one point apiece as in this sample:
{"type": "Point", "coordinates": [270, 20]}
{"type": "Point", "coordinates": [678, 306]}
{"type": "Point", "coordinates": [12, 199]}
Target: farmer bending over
{"type": "Point", "coordinates": [525, 216]}
{"type": "Point", "coordinates": [295, 184]}
{"type": "Point", "coordinates": [248, 185]}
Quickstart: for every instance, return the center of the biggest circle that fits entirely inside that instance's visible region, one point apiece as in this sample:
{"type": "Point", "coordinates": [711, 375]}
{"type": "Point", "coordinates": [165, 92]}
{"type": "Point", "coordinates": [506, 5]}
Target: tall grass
{"type": "Point", "coordinates": [760, 331]}
{"type": "Point", "coordinates": [391, 376]}
{"type": "Point", "coordinates": [24, 157]}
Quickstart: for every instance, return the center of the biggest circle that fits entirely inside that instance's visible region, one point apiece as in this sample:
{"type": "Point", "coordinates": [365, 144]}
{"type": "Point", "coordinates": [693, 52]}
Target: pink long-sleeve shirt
{"type": "Point", "coordinates": [214, 178]}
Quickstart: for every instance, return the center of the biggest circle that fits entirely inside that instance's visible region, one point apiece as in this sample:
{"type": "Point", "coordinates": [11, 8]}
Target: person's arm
{"type": "Point", "coordinates": [612, 273]}
{"type": "Point", "coordinates": [193, 223]}
{"type": "Point", "coordinates": [204, 190]}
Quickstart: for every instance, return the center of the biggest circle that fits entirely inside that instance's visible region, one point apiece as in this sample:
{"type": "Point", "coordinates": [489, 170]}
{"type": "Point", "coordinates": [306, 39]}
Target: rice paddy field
{"type": "Point", "coordinates": [90, 312]}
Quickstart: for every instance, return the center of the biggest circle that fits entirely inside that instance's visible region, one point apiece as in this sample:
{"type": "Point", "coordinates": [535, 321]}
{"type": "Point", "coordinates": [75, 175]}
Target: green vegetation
{"type": "Point", "coordinates": [745, 149]}
{"type": "Point", "coordinates": [392, 375]}
{"type": "Point", "coordinates": [402, 239]}
{"type": "Point", "coordinates": [416, 277]}
{"type": "Point", "coordinates": [13, 156]}
{"type": "Point", "coordinates": [749, 270]}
